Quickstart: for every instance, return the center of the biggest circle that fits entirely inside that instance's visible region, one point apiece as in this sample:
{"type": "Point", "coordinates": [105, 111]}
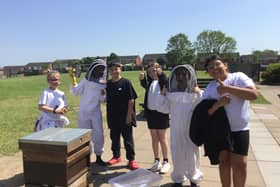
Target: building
{"type": "Point", "coordinates": [36, 68]}
{"type": "Point", "coordinates": [13, 71]}
{"type": "Point", "coordinates": [161, 58]}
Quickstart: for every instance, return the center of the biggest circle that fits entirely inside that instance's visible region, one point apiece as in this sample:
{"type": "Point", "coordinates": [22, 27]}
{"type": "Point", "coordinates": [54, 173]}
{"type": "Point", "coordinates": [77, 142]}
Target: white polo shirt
{"type": "Point", "coordinates": [238, 109]}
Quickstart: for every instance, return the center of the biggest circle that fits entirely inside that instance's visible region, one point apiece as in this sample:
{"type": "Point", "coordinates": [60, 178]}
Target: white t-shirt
{"type": "Point", "coordinates": [238, 109]}
{"type": "Point", "coordinates": [52, 98]}
{"type": "Point", "coordinates": [153, 93]}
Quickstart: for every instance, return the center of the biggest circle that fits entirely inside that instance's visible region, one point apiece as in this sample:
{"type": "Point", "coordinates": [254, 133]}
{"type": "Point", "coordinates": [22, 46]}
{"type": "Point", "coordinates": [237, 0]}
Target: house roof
{"type": "Point", "coordinates": [38, 63]}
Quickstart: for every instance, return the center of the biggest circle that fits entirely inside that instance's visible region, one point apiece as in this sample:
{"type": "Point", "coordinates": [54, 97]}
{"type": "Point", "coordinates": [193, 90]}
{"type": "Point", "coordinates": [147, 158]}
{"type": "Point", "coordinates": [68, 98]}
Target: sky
{"type": "Point", "coordinates": [46, 30]}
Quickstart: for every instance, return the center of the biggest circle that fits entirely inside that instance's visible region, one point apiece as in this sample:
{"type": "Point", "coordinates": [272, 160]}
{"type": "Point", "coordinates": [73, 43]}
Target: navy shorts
{"type": "Point", "coordinates": [157, 120]}
{"type": "Point", "coordinates": [240, 142]}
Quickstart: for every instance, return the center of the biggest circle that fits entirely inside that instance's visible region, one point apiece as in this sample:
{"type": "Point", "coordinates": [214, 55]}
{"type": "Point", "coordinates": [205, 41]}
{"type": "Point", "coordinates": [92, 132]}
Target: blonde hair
{"type": "Point", "coordinates": [52, 73]}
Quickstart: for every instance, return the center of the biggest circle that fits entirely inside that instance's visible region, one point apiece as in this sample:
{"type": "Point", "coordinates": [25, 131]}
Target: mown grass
{"type": "Point", "coordinates": [18, 105]}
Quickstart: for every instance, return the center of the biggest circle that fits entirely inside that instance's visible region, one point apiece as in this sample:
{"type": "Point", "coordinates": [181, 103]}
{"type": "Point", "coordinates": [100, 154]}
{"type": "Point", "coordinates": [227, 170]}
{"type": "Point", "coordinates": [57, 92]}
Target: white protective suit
{"type": "Point", "coordinates": [185, 154]}
{"type": "Point", "coordinates": [89, 115]}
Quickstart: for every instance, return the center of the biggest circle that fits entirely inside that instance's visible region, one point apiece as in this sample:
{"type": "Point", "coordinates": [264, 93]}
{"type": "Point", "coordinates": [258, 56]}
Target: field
{"type": "Point", "coordinates": [19, 106]}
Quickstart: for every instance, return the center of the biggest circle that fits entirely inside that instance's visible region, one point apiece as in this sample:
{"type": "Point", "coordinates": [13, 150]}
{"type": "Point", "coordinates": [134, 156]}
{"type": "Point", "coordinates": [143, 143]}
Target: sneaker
{"type": "Point", "coordinates": [114, 161]}
{"type": "Point", "coordinates": [165, 167]}
{"type": "Point", "coordinates": [177, 185]}
{"type": "Point", "coordinates": [100, 162]}
{"type": "Point", "coordinates": [156, 166]}
{"type": "Point", "coordinates": [133, 165]}
{"type": "Point", "coordinates": [193, 184]}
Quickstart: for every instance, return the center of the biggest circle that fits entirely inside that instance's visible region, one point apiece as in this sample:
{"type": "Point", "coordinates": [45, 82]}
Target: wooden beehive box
{"type": "Point", "coordinates": [55, 156]}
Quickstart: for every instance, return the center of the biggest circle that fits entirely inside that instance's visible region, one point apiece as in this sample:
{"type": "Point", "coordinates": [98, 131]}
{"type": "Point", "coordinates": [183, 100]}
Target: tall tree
{"type": "Point", "coordinates": [179, 50]}
{"type": "Point", "coordinates": [113, 57]}
{"type": "Point", "coordinates": [217, 42]}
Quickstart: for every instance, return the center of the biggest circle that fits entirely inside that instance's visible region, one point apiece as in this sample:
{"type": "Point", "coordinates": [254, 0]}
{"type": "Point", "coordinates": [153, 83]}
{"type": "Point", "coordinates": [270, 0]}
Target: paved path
{"type": "Point", "coordinates": [263, 160]}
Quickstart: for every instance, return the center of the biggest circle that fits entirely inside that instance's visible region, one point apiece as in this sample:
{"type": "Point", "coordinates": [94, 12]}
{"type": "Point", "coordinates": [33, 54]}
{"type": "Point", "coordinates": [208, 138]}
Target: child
{"type": "Point", "coordinates": [91, 90]}
{"type": "Point", "coordinates": [183, 96]}
{"type": "Point", "coordinates": [52, 104]}
{"type": "Point", "coordinates": [233, 92]}
{"type": "Point", "coordinates": [158, 121]}
{"type": "Point", "coordinates": [121, 115]}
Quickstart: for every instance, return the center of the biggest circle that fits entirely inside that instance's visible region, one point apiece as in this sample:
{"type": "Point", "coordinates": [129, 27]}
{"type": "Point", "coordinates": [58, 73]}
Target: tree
{"type": "Point", "coordinates": [214, 42]}
{"type": "Point", "coordinates": [179, 50]}
{"type": "Point", "coordinates": [113, 57]}
{"type": "Point", "coordinates": [265, 53]}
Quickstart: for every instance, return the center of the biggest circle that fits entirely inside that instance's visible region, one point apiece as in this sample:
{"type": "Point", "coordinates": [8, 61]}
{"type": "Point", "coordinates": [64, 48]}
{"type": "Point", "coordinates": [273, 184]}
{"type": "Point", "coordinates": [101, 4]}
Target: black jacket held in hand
{"type": "Point", "coordinates": [212, 131]}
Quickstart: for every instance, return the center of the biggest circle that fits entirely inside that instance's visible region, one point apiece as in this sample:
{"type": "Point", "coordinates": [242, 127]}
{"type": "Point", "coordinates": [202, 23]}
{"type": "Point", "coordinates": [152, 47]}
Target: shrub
{"type": "Point", "coordinates": [272, 73]}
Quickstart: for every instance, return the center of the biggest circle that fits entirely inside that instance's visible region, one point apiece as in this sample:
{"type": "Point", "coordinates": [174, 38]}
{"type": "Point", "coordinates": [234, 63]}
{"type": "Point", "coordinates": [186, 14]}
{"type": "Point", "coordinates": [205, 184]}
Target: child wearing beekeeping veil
{"type": "Point", "coordinates": [183, 95]}
{"type": "Point", "coordinates": [92, 92]}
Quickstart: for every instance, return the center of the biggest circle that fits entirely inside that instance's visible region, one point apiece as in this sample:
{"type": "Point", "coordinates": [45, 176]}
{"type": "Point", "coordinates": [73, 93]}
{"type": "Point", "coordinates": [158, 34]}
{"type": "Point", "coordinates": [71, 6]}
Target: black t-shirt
{"type": "Point", "coordinates": [118, 94]}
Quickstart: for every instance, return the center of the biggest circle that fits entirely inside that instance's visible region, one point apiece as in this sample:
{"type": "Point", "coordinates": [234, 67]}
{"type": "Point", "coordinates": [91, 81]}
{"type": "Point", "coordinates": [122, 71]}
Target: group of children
{"type": "Point", "coordinates": [168, 102]}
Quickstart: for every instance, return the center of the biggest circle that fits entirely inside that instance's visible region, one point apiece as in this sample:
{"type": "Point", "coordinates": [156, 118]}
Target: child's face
{"type": "Point", "coordinates": [98, 72]}
{"type": "Point", "coordinates": [115, 72]}
{"type": "Point", "coordinates": [54, 80]}
{"type": "Point", "coordinates": [182, 76]}
{"type": "Point", "coordinates": [217, 69]}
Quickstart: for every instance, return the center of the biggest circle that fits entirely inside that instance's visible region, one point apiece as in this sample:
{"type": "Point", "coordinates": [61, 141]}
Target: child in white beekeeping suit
{"type": "Point", "coordinates": [92, 92]}
{"type": "Point", "coordinates": [182, 96]}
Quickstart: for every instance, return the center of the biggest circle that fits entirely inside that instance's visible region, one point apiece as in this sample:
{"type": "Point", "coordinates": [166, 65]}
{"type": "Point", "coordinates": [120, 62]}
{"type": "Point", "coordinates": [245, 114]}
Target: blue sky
{"type": "Point", "coordinates": [46, 30]}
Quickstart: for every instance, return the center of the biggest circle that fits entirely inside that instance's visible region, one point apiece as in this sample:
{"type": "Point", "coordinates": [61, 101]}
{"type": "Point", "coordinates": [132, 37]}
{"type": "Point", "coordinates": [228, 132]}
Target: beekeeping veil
{"type": "Point", "coordinates": [190, 77]}
{"type": "Point", "coordinates": [89, 75]}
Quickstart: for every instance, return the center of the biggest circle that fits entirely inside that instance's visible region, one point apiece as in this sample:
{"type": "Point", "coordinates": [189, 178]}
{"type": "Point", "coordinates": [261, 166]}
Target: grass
{"type": "Point", "coordinates": [19, 98]}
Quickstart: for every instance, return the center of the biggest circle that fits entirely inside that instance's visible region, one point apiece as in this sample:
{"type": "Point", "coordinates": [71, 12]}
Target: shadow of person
{"type": "Point", "coordinates": [16, 180]}
{"type": "Point", "coordinates": [140, 116]}
{"type": "Point", "coordinates": [99, 175]}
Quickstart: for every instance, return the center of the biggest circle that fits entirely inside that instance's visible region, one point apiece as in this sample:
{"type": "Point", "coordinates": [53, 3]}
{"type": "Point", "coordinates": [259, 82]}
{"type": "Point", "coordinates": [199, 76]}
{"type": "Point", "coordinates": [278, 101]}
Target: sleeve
{"type": "Point", "coordinates": [79, 88]}
{"type": "Point", "coordinates": [144, 83]}
{"type": "Point", "coordinates": [163, 81]}
{"type": "Point", "coordinates": [131, 93]}
{"type": "Point", "coordinates": [244, 81]}
{"type": "Point", "coordinates": [43, 98]}
{"type": "Point", "coordinates": [205, 94]}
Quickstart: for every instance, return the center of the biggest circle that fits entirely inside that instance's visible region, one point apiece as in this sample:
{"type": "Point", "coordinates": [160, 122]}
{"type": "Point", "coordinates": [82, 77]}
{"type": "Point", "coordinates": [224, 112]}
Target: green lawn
{"type": "Point", "coordinates": [19, 97]}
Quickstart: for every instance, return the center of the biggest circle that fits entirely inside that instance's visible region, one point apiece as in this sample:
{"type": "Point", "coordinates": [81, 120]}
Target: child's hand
{"type": "Point", "coordinates": [196, 89]}
{"type": "Point", "coordinates": [103, 92]}
{"type": "Point", "coordinates": [141, 75]}
{"type": "Point", "coordinates": [128, 120]}
{"type": "Point", "coordinates": [163, 91]}
{"type": "Point", "coordinates": [61, 110]}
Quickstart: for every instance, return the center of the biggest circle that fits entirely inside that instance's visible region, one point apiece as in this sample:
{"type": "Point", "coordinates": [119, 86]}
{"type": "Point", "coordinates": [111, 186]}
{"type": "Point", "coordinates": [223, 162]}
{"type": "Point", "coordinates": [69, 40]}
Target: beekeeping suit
{"type": "Point", "coordinates": [185, 154]}
{"type": "Point", "coordinates": [89, 114]}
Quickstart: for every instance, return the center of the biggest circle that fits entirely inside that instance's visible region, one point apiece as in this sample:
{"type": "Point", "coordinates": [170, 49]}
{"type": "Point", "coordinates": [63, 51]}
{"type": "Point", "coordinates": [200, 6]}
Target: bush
{"type": "Point", "coordinates": [272, 73]}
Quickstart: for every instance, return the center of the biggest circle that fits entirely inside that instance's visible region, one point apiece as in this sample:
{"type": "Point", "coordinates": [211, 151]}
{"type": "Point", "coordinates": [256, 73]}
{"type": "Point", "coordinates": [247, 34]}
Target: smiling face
{"type": "Point", "coordinates": [217, 69]}
{"type": "Point", "coordinates": [53, 79]}
{"type": "Point", "coordinates": [115, 72]}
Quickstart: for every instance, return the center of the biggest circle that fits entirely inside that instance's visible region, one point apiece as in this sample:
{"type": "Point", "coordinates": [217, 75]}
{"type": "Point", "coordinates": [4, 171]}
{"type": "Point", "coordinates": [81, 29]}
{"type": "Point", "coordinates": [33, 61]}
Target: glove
{"type": "Point", "coordinates": [73, 77]}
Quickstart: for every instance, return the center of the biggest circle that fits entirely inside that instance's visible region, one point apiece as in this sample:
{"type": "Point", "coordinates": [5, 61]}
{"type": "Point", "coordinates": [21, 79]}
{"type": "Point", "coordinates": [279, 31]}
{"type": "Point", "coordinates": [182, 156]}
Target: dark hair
{"type": "Point", "coordinates": [212, 58]}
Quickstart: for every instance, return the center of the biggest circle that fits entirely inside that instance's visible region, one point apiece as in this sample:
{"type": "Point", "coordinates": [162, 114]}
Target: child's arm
{"type": "Point", "coordinates": [220, 103]}
{"type": "Point", "coordinates": [46, 108]}
{"type": "Point", "coordinates": [246, 93]}
{"type": "Point", "coordinates": [129, 111]}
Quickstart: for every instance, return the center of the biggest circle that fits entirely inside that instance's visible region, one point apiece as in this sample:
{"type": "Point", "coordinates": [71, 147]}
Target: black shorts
{"type": "Point", "coordinates": [157, 120]}
{"type": "Point", "coordinates": [240, 142]}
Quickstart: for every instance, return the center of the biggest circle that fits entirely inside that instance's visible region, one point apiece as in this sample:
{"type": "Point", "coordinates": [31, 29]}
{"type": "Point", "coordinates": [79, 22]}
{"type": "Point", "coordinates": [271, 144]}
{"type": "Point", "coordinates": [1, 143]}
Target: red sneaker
{"type": "Point", "coordinates": [133, 165]}
{"type": "Point", "coordinates": [114, 161]}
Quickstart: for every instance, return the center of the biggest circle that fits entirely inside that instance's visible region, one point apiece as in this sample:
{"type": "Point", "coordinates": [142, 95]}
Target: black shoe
{"type": "Point", "coordinates": [193, 184]}
{"type": "Point", "coordinates": [100, 162]}
{"type": "Point", "coordinates": [177, 185]}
